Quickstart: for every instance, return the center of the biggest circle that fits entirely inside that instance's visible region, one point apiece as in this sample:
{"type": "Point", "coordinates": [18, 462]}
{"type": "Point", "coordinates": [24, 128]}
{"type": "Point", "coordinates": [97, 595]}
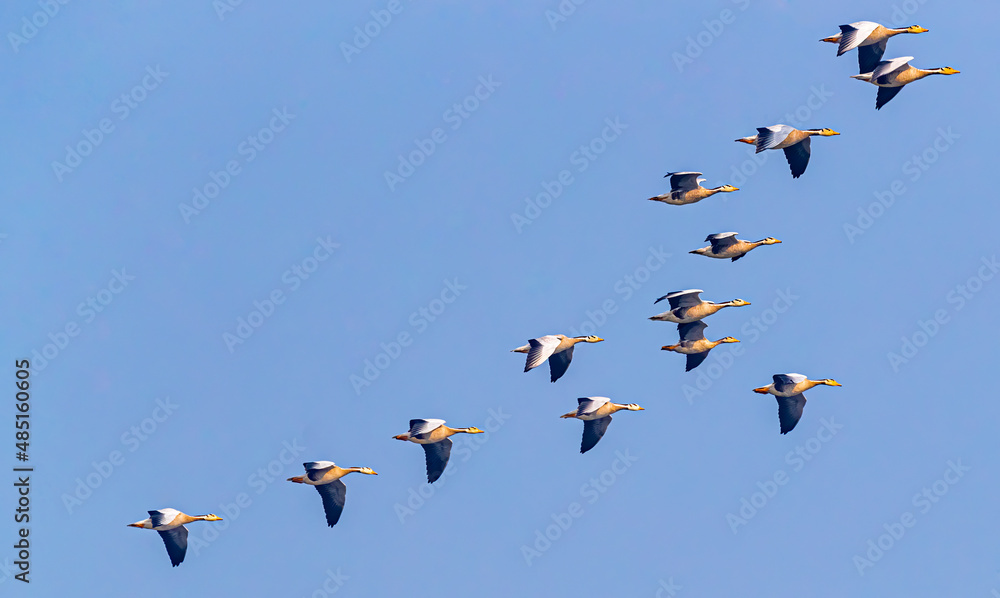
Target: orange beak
{"type": "Point", "coordinates": [762, 390]}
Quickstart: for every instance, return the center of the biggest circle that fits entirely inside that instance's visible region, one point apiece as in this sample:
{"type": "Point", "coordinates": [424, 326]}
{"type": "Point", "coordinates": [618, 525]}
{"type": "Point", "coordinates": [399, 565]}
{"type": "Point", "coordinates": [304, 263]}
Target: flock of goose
{"type": "Point", "coordinates": [687, 309]}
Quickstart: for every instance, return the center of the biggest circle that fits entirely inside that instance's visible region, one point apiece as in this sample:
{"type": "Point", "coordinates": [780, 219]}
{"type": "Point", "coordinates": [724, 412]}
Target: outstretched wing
{"type": "Point", "coordinates": [176, 541]}
{"type": "Point", "coordinates": [593, 431]}
{"type": "Point", "coordinates": [692, 331]}
{"type": "Point", "coordinates": [162, 517]}
{"type": "Point", "coordinates": [437, 455]}
{"type": "Point", "coordinates": [790, 411]}
{"type": "Point", "coordinates": [869, 56]}
{"type": "Point", "coordinates": [681, 298]}
{"type": "Point", "coordinates": [721, 241]}
{"type": "Point", "coordinates": [559, 363]}
{"type": "Point", "coordinates": [882, 72]}
{"type": "Point", "coordinates": [540, 349]}
{"type": "Point", "coordinates": [785, 383]}
{"type": "Point", "coordinates": [419, 427]}
{"type": "Point", "coordinates": [798, 157]}
{"type": "Point", "coordinates": [695, 359]}
{"type": "Point", "coordinates": [334, 496]}
{"type": "Point", "coordinates": [853, 35]}
{"type": "Point", "coordinates": [590, 404]}
{"type": "Point", "coordinates": [683, 181]}
{"type": "Point", "coordinates": [768, 137]}
{"type": "Point", "coordinates": [315, 470]}
{"type": "Point", "coordinates": [885, 94]}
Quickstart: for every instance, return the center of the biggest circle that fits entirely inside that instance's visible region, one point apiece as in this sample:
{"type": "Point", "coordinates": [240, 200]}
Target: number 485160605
{"type": "Point", "coordinates": [22, 417]}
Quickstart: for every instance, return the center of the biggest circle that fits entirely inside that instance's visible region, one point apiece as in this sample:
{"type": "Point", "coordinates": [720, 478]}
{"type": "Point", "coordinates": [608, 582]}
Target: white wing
{"type": "Point", "coordinates": [161, 517]}
{"type": "Point", "coordinates": [423, 426]}
{"type": "Point", "coordinates": [590, 404]}
{"type": "Point", "coordinates": [318, 465]}
{"type": "Point", "coordinates": [684, 181]}
{"type": "Point", "coordinates": [541, 349]}
{"type": "Point", "coordinates": [768, 137]}
{"type": "Point", "coordinates": [889, 66]}
{"type": "Point", "coordinates": [853, 35]}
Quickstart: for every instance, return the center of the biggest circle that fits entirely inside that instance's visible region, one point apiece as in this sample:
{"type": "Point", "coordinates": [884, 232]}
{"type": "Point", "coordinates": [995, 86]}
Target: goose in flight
{"type": "Point", "coordinates": [891, 75]}
{"type": "Point", "coordinates": [788, 389]}
{"type": "Point", "coordinates": [170, 524]}
{"type": "Point", "coordinates": [685, 188]}
{"type": "Point", "coordinates": [556, 348]}
{"type": "Point", "coordinates": [794, 142]}
{"type": "Point", "coordinates": [726, 245]}
{"type": "Point", "coordinates": [694, 344]}
{"type": "Point", "coordinates": [325, 476]}
{"type": "Point", "coordinates": [687, 306]}
{"type": "Point", "coordinates": [596, 415]}
{"type": "Point", "coordinates": [433, 435]}
{"type": "Point", "coordinates": [869, 38]}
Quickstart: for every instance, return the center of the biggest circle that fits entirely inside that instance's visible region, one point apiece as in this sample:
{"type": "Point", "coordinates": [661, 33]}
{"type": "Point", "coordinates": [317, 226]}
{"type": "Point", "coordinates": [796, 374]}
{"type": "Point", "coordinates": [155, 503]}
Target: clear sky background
{"type": "Point", "coordinates": [682, 84]}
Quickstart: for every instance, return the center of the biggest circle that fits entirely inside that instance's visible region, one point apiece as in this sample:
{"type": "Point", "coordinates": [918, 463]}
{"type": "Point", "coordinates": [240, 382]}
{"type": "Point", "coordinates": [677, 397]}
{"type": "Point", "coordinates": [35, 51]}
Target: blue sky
{"type": "Point", "coordinates": [282, 238]}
